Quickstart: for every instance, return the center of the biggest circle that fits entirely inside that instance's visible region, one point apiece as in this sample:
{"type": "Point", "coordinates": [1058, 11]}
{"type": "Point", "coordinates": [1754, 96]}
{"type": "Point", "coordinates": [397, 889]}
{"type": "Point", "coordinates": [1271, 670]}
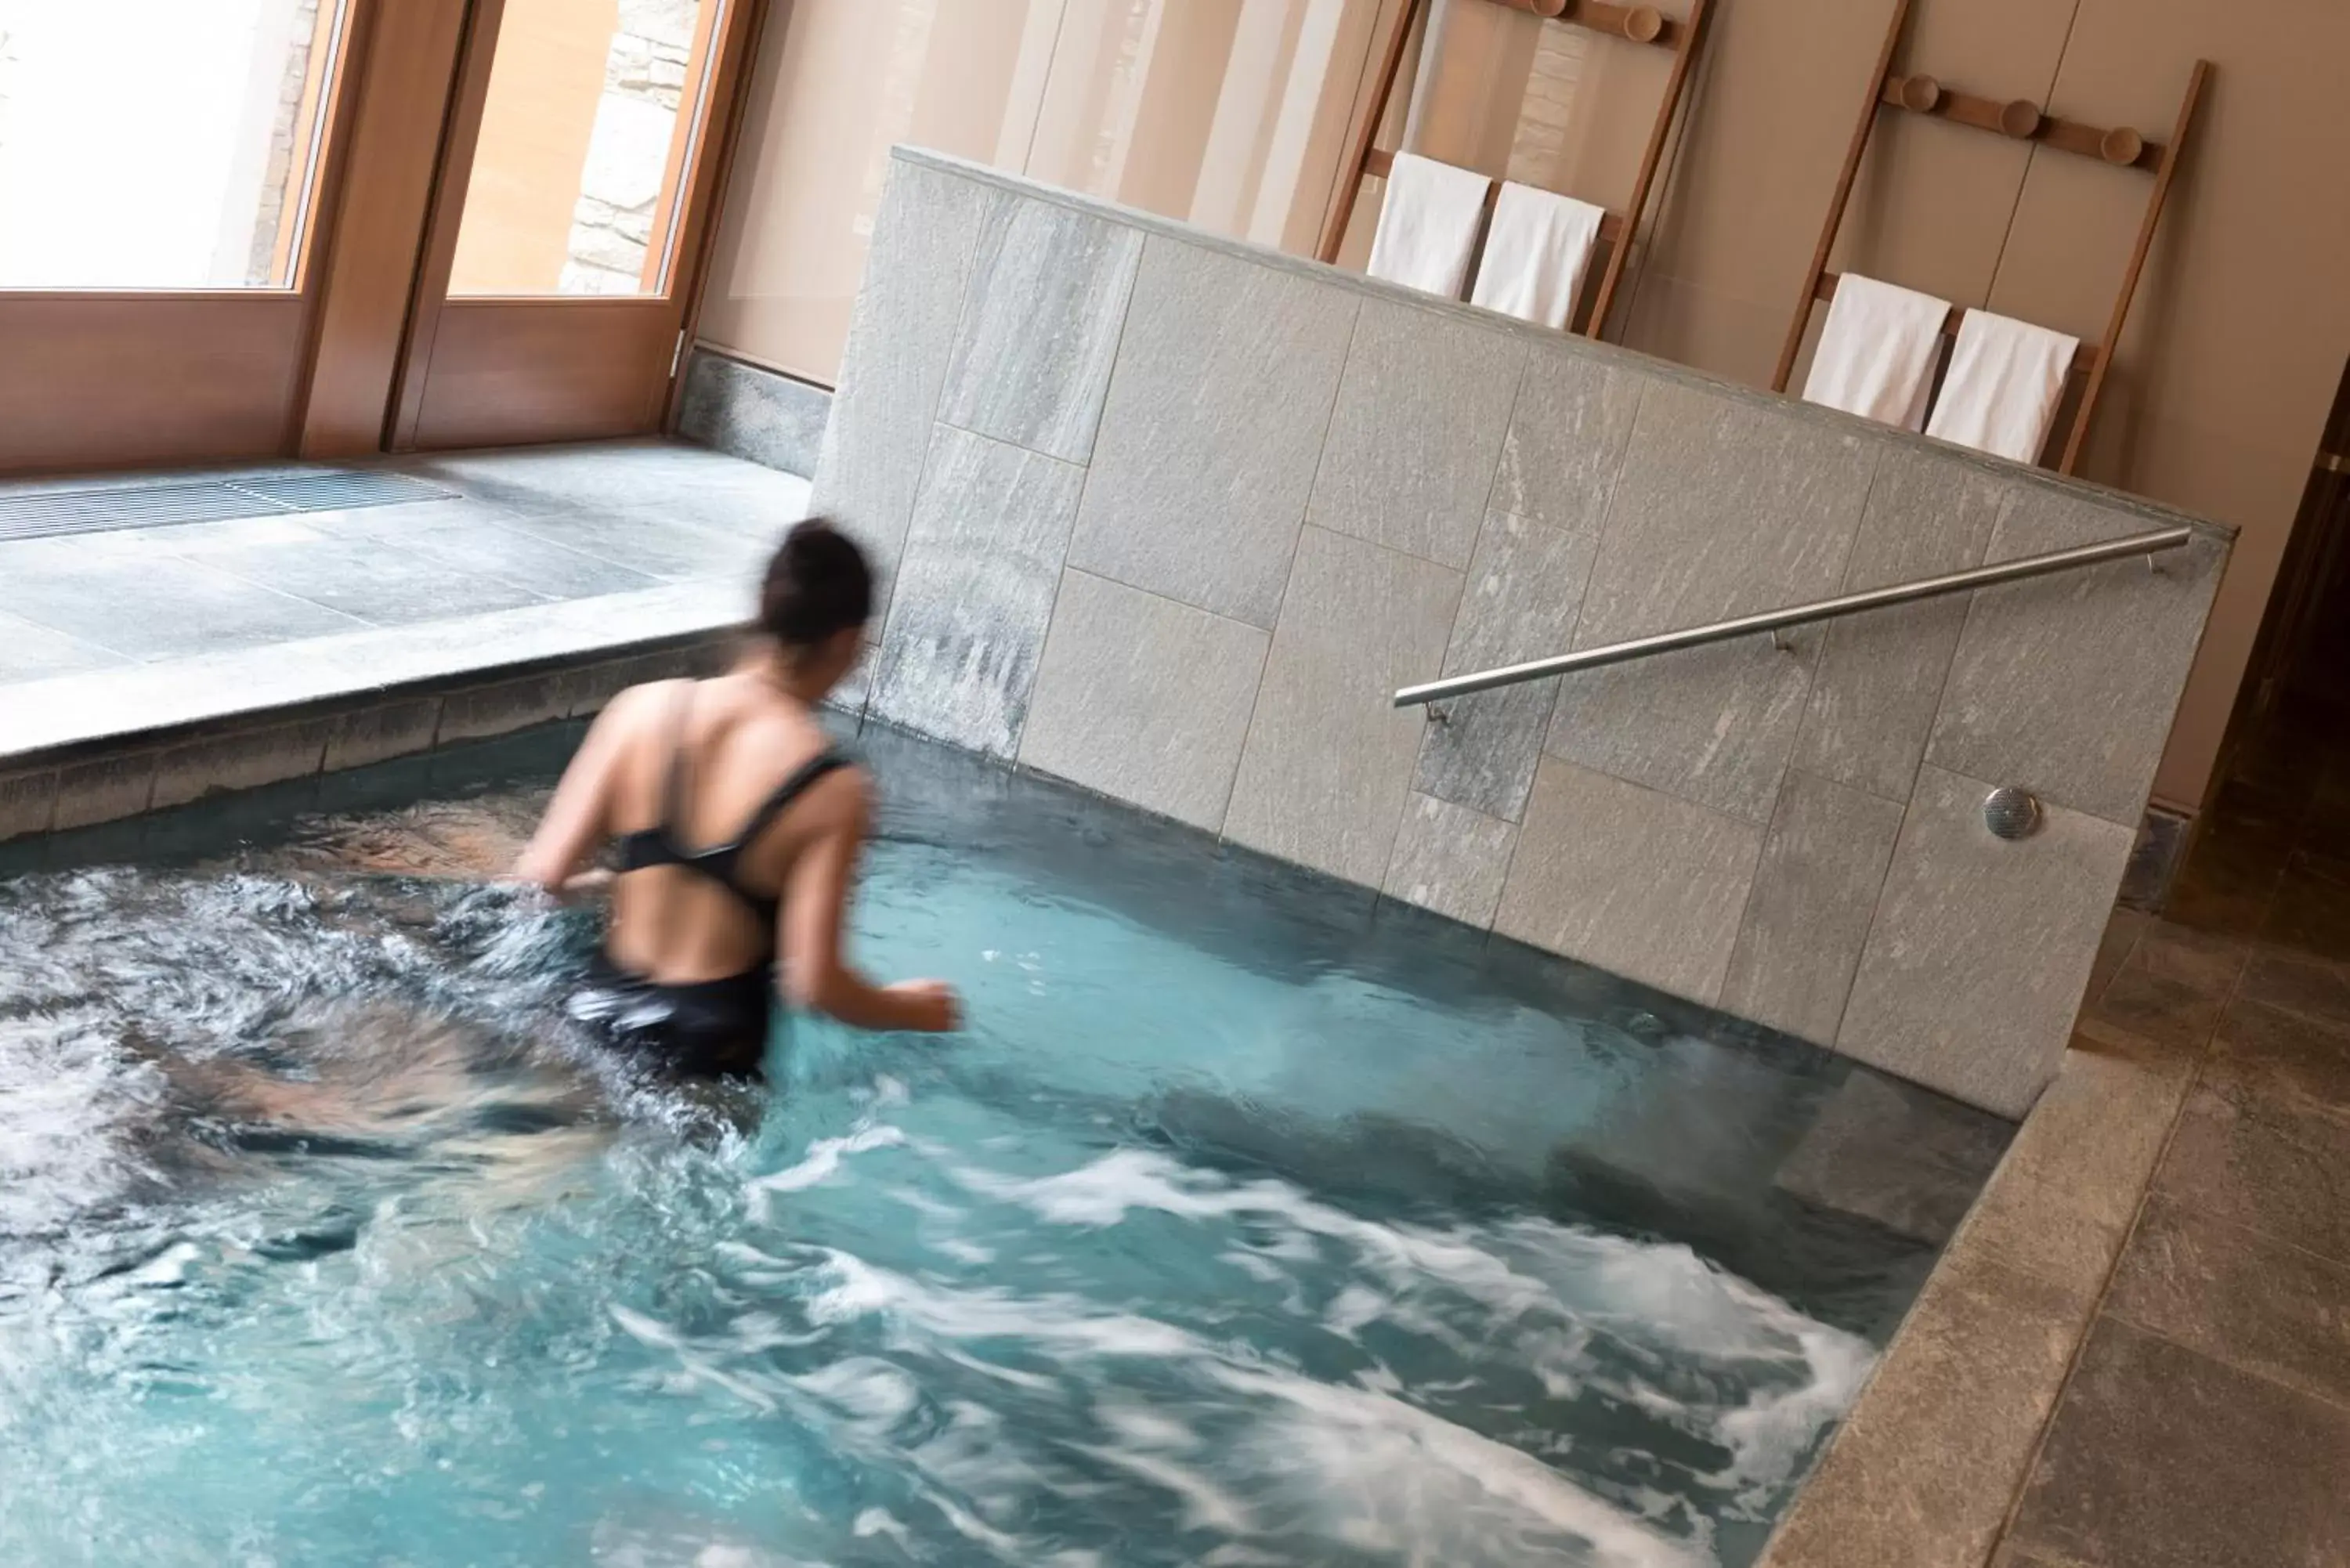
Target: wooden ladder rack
{"type": "Point", "coordinates": [2022, 120]}
{"type": "Point", "coordinates": [1635, 23]}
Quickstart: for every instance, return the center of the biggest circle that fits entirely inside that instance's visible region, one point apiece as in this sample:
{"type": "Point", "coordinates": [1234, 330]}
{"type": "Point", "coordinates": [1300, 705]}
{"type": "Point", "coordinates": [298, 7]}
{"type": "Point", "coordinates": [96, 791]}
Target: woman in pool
{"type": "Point", "coordinates": [738, 826]}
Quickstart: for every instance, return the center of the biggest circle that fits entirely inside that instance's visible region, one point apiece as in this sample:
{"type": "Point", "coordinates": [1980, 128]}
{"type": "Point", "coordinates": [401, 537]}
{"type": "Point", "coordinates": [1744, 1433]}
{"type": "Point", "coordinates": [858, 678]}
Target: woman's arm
{"type": "Point", "coordinates": [816, 975]}
{"type": "Point", "coordinates": [578, 818]}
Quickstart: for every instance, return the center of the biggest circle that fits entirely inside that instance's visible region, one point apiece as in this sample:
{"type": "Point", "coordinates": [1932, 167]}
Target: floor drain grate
{"type": "Point", "coordinates": [265, 492]}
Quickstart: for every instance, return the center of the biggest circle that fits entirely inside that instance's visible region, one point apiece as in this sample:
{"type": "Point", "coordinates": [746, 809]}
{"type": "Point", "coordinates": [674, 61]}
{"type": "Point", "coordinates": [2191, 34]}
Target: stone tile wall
{"type": "Point", "coordinates": [1171, 518]}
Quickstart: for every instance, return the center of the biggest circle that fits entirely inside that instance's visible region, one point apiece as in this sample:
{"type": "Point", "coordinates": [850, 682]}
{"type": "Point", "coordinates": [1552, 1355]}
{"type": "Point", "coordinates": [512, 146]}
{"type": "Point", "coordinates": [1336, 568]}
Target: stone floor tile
{"type": "Point", "coordinates": [2298, 983]}
{"type": "Point", "coordinates": [1921, 1473]}
{"type": "Point", "coordinates": [2259, 1157]}
{"type": "Point", "coordinates": [2099, 1129]}
{"type": "Point", "coordinates": [151, 608]}
{"type": "Point", "coordinates": [374, 581]}
{"type": "Point", "coordinates": [2307, 1055]}
{"type": "Point", "coordinates": [2162, 1457]}
{"type": "Point", "coordinates": [29, 651]}
{"type": "Point", "coordinates": [2173, 985]}
{"type": "Point", "coordinates": [2238, 1297]}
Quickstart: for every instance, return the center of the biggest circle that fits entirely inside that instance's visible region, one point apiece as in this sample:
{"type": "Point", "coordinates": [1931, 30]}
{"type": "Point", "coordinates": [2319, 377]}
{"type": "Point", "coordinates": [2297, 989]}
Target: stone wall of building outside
{"type": "Point", "coordinates": [1171, 518]}
{"type": "Point", "coordinates": [620, 186]}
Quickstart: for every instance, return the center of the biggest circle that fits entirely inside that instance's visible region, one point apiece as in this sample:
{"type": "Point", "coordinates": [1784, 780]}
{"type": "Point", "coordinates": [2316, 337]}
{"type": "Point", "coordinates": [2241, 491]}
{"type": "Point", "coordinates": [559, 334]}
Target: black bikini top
{"type": "Point", "coordinates": [721, 863]}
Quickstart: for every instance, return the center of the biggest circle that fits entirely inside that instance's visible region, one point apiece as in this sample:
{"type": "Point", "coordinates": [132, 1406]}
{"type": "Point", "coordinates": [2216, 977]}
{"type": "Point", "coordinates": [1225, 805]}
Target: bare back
{"type": "Point", "coordinates": [741, 739]}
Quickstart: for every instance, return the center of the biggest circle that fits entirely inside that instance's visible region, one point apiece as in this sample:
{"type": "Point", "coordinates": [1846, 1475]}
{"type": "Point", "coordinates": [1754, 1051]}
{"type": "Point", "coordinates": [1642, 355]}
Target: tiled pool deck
{"type": "Point", "coordinates": [2134, 1355]}
{"type": "Point", "coordinates": [132, 662]}
{"type": "Point", "coordinates": [2137, 1352]}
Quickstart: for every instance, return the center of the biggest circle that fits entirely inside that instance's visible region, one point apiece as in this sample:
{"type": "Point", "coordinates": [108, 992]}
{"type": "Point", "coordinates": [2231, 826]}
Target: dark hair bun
{"type": "Point", "coordinates": [817, 585]}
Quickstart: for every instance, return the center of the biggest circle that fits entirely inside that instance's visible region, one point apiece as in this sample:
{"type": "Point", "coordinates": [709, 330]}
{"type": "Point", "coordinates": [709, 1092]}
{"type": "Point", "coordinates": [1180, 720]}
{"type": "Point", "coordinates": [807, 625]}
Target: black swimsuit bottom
{"type": "Point", "coordinates": [713, 1028]}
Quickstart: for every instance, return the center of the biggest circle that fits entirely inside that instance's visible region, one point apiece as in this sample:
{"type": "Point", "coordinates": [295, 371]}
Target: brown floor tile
{"type": "Point", "coordinates": [2161, 1458]}
{"type": "Point", "coordinates": [2256, 1156]}
{"type": "Point", "coordinates": [2174, 984]}
{"type": "Point", "coordinates": [2311, 913]}
{"type": "Point", "coordinates": [2238, 1297]}
{"type": "Point", "coordinates": [1922, 1472]}
{"type": "Point", "coordinates": [2298, 984]}
{"type": "Point", "coordinates": [2306, 1054]}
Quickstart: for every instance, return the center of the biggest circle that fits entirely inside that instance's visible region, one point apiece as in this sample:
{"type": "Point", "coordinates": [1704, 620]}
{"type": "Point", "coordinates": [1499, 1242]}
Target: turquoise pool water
{"type": "Point", "coordinates": [1251, 1222]}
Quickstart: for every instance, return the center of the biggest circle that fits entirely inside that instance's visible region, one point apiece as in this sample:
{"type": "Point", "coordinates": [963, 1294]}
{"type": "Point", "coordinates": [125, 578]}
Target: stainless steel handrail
{"type": "Point", "coordinates": [1800, 615]}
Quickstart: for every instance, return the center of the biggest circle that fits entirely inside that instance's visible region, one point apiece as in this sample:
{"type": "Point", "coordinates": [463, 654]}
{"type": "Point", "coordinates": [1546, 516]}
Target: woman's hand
{"type": "Point", "coordinates": [931, 1006]}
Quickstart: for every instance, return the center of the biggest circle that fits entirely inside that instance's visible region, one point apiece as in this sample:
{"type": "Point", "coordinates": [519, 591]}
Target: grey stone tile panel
{"type": "Point", "coordinates": [380, 733]}
{"type": "Point", "coordinates": [1980, 948]}
{"type": "Point", "coordinates": [1416, 435]}
{"type": "Point", "coordinates": [1143, 699]}
{"type": "Point", "coordinates": [247, 759]}
{"type": "Point", "coordinates": [1451, 859]}
{"type": "Point", "coordinates": [2161, 1458]}
{"type": "Point", "coordinates": [2238, 1297]}
{"type": "Point", "coordinates": [104, 789]}
{"type": "Point", "coordinates": [1567, 437]}
{"type": "Point", "coordinates": [974, 595]}
{"type": "Point", "coordinates": [1525, 590]}
{"type": "Point", "coordinates": [753, 413]}
{"type": "Point", "coordinates": [1637, 882]}
{"type": "Point", "coordinates": [27, 801]}
{"type": "Point", "coordinates": [1214, 424]}
{"type": "Point", "coordinates": [1723, 507]}
{"type": "Point", "coordinates": [2066, 685]}
{"type": "Point", "coordinates": [1822, 866]}
{"type": "Point", "coordinates": [1880, 675]}
{"type": "Point", "coordinates": [502, 707]}
{"type": "Point", "coordinates": [1901, 1155]}
{"type": "Point", "coordinates": [1328, 762]}
{"type": "Point", "coordinates": [900, 336]}
{"type": "Point", "coordinates": [1040, 326]}
{"type": "Point", "coordinates": [1713, 725]}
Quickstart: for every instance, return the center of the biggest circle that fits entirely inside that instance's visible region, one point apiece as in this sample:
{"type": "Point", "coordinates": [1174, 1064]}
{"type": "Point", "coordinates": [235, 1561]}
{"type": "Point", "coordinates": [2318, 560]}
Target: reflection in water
{"type": "Point", "coordinates": [325, 1238]}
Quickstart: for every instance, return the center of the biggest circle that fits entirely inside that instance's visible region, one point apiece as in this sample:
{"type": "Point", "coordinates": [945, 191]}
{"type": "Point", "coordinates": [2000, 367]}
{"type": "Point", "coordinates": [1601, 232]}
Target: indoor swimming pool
{"type": "Point", "coordinates": [1252, 1222]}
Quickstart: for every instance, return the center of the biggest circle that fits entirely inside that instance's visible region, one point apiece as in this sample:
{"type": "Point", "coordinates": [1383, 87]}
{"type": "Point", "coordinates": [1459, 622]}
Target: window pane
{"type": "Point", "coordinates": [159, 143]}
{"type": "Point", "coordinates": [590, 106]}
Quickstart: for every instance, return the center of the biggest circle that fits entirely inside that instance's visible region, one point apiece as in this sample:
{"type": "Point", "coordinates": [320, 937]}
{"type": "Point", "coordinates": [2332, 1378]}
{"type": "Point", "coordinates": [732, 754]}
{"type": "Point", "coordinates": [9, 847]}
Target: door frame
{"type": "Point", "coordinates": [488, 370]}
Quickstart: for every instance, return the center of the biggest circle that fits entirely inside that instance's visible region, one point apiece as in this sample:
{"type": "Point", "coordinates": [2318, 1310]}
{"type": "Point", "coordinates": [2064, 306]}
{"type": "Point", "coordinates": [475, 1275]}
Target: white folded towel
{"type": "Point", "coordinates": [1877, 351]}
{"type": "Point", "coordinates": [2006, 379]}
{"type": "Point", "coordinates": [1429, 225]}
{"type": "Point", "coordinates": [1535, 254]}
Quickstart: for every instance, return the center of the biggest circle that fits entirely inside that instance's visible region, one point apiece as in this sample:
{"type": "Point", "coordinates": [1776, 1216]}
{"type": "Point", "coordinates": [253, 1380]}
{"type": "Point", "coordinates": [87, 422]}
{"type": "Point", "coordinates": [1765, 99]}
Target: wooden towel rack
{"type": "Point", "coordinates": [2022, 120]}
{"type": "Point", "coordinates": [1638, 24]}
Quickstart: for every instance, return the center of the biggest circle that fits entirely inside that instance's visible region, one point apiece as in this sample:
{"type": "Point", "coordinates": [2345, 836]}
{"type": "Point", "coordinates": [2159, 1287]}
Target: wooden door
{"type": "Point", "coordinates": [582, 164]}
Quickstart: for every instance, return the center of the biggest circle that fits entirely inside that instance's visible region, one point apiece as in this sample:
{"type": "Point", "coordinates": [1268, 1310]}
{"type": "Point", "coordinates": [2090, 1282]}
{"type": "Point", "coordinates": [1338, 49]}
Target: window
{"type": "Point", "coordinates": [160, 144]}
